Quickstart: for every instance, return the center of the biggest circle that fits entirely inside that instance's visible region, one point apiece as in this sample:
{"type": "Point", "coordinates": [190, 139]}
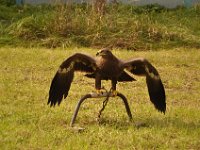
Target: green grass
{"type": "Point", "coordinates": [121, 26]}
{"type": "Point", "coordinates": [28, 123]}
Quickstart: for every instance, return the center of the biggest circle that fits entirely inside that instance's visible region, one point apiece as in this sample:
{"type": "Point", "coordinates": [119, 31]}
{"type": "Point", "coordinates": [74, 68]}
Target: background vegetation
{"type": "Point", "coordinates": [117, 25]}
{"type": "Point", "coordinates": [28, 123]}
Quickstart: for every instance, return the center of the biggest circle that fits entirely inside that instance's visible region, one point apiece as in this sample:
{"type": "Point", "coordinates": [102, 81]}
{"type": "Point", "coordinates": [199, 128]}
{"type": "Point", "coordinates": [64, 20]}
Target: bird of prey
{"type": "Point", "coordinates": [106, 66]}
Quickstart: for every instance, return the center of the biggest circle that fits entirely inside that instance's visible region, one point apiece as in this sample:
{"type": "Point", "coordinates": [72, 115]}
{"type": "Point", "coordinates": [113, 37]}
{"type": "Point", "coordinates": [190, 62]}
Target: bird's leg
{"type": "Point", "coordinates": [113, 88]}
{"type": "Point", "coordinates": [98, 88]}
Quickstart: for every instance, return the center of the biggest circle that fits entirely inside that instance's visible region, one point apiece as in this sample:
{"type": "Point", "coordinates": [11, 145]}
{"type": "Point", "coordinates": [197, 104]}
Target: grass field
{"type": "Point", "coordinates": [28, 123]}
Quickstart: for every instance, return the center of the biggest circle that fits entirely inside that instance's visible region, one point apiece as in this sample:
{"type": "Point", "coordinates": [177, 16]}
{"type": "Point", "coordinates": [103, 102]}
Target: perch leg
{"type": "Point", "coordinates": [126, 105]}
{"type": "Point", "coordinates": [77, 108]}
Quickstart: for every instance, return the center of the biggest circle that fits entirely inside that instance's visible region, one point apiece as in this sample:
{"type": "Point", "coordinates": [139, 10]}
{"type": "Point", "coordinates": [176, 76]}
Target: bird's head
{"type": "Point", "coordinates": [104, 52]}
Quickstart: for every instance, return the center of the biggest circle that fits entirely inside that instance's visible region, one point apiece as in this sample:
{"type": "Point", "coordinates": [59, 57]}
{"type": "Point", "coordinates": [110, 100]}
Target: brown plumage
{"type": "Point", "coordinates": [105, 66]}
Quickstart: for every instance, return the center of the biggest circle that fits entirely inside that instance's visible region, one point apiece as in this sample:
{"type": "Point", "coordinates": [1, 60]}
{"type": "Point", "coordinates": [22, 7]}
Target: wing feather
{"type": "Point", "coordinates": [141, 66]}
{"type": "Point", "coordinates": [63, 78]}
{"type": "Point", "coordinates": [123, 77]}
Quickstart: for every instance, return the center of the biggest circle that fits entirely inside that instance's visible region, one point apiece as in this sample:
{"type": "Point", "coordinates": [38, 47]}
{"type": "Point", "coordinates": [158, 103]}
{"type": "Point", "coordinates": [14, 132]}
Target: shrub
{"type": "Point", "coordinates": [121, 26]}
{"type": "Point", "coordinates": [7, 2]}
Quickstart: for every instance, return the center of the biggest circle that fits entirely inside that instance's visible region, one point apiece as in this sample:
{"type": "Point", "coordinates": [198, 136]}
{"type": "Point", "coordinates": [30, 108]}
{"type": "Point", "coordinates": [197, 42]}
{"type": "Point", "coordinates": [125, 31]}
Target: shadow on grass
{"type": "Point", "coordinates": [152, 122]}
{"type": "Point", "coordinates": [172, 122]}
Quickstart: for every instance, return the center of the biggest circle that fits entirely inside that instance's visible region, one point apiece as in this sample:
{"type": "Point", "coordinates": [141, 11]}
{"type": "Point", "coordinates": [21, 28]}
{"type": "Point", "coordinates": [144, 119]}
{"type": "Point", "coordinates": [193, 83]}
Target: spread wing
{"type": "Point", "coordinates": [141, 66]}
{"type": "Point", "coordinates": [62, 80]}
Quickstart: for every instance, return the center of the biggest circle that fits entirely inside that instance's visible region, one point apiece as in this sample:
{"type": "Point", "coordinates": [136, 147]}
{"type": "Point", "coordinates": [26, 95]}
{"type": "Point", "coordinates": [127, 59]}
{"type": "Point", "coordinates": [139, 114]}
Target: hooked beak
{"type": "Point", "coordinates": [98, 53]}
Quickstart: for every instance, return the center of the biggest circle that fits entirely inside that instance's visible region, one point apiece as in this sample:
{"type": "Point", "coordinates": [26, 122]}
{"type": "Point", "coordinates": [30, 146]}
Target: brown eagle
{"type": "Point", "coordinates": [105, 66]}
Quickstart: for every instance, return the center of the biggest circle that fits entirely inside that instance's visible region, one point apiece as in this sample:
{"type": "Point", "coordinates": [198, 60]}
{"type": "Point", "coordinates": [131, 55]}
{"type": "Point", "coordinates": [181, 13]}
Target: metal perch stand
{"type": "Point", "coordinates": [95, 95]}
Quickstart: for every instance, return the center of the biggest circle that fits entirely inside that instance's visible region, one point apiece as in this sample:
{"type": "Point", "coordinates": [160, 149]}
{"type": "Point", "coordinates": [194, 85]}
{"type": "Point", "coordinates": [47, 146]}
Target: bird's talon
{"type": "Point", "coordinates": [114, 92]}
{"type": "Point", "coordinates": [100, 92]}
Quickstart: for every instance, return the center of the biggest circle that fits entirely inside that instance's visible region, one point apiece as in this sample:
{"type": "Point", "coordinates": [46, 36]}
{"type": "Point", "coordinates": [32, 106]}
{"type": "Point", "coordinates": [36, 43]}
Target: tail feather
{"type": "Point", "coordinates": [123, 77]}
